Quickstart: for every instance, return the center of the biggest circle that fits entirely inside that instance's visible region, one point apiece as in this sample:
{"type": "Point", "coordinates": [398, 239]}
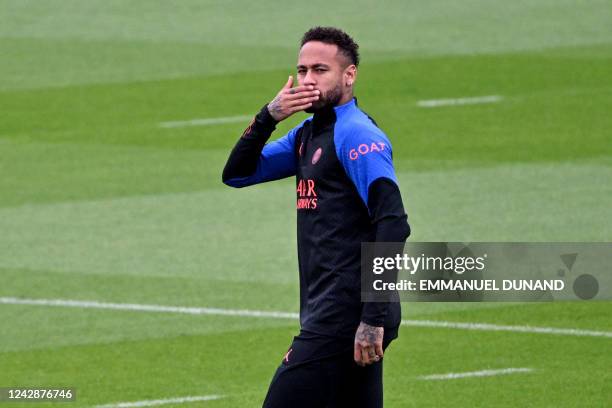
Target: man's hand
{"type": "Point", "coordinates": [290, 100]}
{"type": "Point", "coordinates": [368, 344]}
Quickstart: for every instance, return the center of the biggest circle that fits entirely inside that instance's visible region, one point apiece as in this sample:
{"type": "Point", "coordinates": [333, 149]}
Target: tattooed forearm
{"type": "Point", "coordinates": [274, 108]}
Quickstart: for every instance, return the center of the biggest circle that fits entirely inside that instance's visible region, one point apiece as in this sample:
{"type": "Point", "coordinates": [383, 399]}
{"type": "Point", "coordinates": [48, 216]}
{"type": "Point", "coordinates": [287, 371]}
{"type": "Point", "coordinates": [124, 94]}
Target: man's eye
{"type": "Point", "coordinates": [321, 70]}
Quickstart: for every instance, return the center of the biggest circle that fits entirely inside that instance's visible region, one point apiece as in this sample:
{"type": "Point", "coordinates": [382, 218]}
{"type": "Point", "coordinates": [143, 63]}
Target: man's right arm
{"type": "Point", "coordinates": [253, 161]}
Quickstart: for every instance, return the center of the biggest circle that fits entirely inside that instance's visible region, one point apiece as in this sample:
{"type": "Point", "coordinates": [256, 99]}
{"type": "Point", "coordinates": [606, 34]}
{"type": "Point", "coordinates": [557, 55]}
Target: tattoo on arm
{"type": "Point", "coordinates": [275, 108]}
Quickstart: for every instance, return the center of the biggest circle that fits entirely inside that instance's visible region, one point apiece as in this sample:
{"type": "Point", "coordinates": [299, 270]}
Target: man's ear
{"type": "Point", "coordinates": [350, 75]}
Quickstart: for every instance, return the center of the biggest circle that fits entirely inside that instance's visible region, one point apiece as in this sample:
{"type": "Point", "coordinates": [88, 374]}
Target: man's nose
{"type": "Point", "coordinates": [309, 78]}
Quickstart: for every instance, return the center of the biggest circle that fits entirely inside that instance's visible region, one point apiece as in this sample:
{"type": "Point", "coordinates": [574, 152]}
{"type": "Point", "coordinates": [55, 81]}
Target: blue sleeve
{"type": "Point", "coordinates": [366, 156]}
{"type": "Point", "coordinates": [276, 161]}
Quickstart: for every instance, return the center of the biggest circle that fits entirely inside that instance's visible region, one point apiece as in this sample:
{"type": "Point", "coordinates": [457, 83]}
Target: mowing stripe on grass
{"type": "Point", "coordinates": [482, 373]}
{"type": "Point", "coordinates": [206, 121]}
{"type": "Point", "coordinates": [430, 103]}
{"type": "Point", "coordinates": [84, 304]}
{"type": "Point", "coordinates": [434, 103]}
{"type": "Point", "coordinates": [150, 403]}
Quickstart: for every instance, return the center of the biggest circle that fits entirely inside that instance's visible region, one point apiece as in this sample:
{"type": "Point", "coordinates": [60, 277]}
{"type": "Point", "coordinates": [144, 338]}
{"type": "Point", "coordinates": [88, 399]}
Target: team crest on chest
{"type": "Point", "coordinates": [316, 155]}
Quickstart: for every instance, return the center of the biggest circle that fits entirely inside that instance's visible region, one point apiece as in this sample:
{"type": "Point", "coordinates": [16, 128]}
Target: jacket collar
{"type": "Point", "coordinates": [329, 115]}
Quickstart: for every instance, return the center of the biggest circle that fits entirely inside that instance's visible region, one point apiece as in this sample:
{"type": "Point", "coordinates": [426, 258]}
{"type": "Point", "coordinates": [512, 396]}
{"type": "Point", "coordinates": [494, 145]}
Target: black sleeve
{"type": "Point", "coordinates": [242, 161]}
{"type": "Point", "coordinates": [387, 212]}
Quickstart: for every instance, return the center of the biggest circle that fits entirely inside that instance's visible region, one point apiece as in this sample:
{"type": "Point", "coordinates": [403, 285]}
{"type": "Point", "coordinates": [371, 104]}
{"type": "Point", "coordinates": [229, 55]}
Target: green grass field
{"type": "Point", "coordinates": [98, 202]}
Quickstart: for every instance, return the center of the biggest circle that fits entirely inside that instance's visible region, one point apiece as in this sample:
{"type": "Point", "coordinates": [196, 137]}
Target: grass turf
{"type": "Point", "coordinates": [98, 202]}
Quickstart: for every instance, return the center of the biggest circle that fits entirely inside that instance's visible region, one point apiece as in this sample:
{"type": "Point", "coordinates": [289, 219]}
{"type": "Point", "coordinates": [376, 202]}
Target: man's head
{"type": "Point", "coordinates": [328, 61]}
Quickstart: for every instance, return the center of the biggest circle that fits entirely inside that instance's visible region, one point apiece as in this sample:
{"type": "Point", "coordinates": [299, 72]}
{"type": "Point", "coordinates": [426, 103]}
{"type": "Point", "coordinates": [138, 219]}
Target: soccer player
{"type": "Point", "coordinates": [347, 194]}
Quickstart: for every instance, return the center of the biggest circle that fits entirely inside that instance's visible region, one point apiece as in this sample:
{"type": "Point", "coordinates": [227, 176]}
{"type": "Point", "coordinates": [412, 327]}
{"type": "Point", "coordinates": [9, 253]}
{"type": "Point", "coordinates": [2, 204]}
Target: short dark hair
{"type": "Point", "coordinates": [331, 35]}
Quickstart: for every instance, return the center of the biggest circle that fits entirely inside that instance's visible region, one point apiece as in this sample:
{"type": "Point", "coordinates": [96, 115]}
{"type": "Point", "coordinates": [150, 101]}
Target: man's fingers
{"type": "Point", "coordinates": [300, 107]}
{"type": "Point", "coordinates": [372, 354]}
{"type": "Point", "coordinates": [289, 83]}
{"type": "Point", "coordinates": [369, 340]}
{"type": "Point", "coordinates": [379, 350]}
{"type": "Point", "coordinates": [299, 89]}
{"type": "Point", "coordinates": [365, 356]}
{"type": "Point", "coordinates": [301, 101]}
{"type": "Point", "coordinates": [357, 354]}
{"type": "Point", "coordinates": [300, 95]}
{"type": "Point", "coordinates": [291, 100]}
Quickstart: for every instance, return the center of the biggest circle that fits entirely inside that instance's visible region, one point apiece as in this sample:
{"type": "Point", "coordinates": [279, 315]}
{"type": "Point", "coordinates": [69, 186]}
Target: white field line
{"type": "Point", "coordinates": [206, 121]}
{"type": "Point", "coordinates": [434, 103]}
{"type": "Point", "coordinates": [87, 304]}
{"type": "Point", "coordinates": [482, 373]}
{"type": "Point", "coordinates": [150, 403]}
{"type": "Point", "coordinates": [83, 304]}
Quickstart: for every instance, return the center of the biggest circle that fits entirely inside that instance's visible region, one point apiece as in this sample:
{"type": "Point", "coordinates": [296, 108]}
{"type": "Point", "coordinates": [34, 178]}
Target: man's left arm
{"type": "Point", "coordinates": [374, 177]}
{"type": "Point", "coordinates": [387, 213]}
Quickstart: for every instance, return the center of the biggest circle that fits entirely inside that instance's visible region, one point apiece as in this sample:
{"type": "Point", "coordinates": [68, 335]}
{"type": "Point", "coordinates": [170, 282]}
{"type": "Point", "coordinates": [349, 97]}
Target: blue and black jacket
{"type": "Point", "coordinates": [347, 194]}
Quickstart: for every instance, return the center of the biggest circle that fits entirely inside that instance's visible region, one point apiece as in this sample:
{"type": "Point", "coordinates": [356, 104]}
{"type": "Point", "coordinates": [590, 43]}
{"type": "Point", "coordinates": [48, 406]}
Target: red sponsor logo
{"type": "Point", "coordinates": [316, 156]}
{"type": "Point", "coordinates": [365, 148]}
{"type": "Point", "coordinates": [306, 195]}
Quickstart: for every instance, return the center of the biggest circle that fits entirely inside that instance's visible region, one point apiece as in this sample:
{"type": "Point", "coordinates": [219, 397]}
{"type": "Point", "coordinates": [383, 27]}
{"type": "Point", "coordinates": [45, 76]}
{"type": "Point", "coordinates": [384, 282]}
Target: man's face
{"type": "Point", "coordinates": [320, 65]}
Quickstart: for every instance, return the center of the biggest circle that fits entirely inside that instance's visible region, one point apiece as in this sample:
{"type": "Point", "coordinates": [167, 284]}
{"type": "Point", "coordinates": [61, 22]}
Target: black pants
{"type": "Point", "coordinates": [334, 381]}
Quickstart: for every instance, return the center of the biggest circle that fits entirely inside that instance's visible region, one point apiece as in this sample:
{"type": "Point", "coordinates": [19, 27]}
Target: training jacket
{"type": "Point", "coordinates": [346, 194]}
